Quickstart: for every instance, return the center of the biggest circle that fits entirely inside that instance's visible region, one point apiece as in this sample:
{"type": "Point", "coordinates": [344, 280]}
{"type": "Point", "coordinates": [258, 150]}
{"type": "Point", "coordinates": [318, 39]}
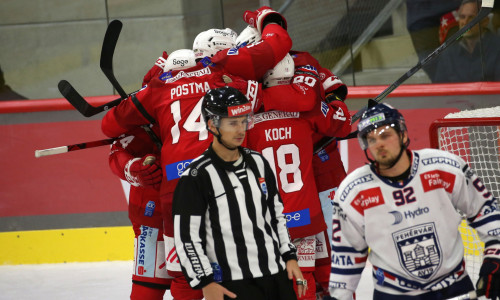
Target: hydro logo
{"type": "Point", "coordinates": [409, 214]}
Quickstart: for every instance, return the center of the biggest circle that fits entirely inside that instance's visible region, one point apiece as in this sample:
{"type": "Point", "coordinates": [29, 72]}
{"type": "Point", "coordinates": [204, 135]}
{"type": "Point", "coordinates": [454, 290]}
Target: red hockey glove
{"type": "Point", "coordinates": [263, 16]}
{"type": "Point", "coordinates": [144, 172]}
{"type": "Point", "coordinates": [489, 278]}
{"type": "Point", "coordinates": [334, 88]}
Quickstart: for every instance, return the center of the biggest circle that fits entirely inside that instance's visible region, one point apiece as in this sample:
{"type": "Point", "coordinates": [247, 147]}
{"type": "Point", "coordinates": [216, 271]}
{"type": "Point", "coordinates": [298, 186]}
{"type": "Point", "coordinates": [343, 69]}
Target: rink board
{"type": "Point", "coordinates": [67, 245]}
{"type": "Point", "coordinates": [71, 208]}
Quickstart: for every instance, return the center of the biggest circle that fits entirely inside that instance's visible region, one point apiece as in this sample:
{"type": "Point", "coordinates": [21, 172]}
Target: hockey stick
{"type": "Point", "coordinates": [69, 148]}
{"type": "Point", "coordinates": [106, 64]}
{"type": "Point", "coordinates": [107, 53]}
{"type": "Point", "coordinates": [78, 102]}
{"type": "Point", "coordinates": [487, 6]}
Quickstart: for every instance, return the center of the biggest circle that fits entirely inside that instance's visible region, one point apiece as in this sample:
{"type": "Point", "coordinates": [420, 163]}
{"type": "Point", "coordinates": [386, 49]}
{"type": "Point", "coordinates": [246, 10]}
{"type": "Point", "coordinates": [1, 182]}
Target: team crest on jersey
{"type": "Point", "coordinates": [263, 186]}
{"type": "Point", "coordinates": [418, 250]}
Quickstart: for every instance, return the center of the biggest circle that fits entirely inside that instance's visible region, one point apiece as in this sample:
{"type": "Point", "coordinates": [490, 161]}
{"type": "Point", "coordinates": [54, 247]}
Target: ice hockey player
{"type": "Point", "coordinates": [136, 159]}
{"type": "Point", "coordinates": [327, 165]}
{"type": "Point", "coordinates": [404, 206]}
{"type": "Point", "coordinates": [286, 141]}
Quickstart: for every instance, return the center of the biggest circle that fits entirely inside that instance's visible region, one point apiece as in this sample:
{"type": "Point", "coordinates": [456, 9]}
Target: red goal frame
{"type": "Point", "coordinates": [458, 122]}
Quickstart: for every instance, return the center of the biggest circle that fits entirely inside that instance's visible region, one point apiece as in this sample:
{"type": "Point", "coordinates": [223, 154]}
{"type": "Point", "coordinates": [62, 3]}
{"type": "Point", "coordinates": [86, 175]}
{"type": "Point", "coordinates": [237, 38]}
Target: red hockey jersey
{"type": "Point", "coordinates": [285, 140]}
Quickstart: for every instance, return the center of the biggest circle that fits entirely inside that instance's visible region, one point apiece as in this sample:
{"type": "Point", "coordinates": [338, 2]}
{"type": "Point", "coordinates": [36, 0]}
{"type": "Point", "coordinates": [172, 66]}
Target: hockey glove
{"type": "Point", "coordinates": [144, 172]}
{"type": "Point", "coordinates": [334, 88]}
{"type": "Point", "coordinates": [263, 16]}
{"type": "Point", "coordinates": [489, 278]}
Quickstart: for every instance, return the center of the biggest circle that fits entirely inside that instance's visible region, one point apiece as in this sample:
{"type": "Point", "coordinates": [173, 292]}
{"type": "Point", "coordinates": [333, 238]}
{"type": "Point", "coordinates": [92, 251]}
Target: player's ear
{"type": "Point", "coordinates": [210, 124]}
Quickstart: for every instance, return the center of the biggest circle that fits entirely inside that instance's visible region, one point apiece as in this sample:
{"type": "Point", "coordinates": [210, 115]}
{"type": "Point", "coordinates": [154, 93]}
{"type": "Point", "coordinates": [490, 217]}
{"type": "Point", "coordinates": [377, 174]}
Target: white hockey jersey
{"type": "Point", "coordinates": [410, 227]}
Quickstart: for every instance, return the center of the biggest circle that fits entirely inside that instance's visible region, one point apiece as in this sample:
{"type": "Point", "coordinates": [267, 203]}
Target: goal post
{"type": "Point", "coordinates": [474, 136]}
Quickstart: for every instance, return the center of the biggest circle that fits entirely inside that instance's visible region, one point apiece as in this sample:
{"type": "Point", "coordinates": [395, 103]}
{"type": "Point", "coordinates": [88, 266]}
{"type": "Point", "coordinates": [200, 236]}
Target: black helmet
{"type": "Point", "coordinates": [225, 102]}
{"type": "Point", "coordinates": [377, 116]}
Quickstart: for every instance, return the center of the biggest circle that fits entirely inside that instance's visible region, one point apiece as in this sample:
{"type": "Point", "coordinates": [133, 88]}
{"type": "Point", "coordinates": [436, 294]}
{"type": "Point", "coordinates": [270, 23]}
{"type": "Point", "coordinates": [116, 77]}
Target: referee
{"type": "Point", "coordinates": [230, 233]}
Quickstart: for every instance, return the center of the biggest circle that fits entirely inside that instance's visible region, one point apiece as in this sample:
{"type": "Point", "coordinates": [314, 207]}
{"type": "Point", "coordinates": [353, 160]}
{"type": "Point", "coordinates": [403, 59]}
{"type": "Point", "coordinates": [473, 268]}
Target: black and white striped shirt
{"type": "Point", "coordinates": [229, 216]}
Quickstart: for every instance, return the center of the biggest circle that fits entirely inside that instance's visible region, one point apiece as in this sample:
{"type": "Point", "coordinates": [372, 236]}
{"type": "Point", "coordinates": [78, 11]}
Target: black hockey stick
{"type": "Point", "coordinates": [487, 6]}
{"type": "Point", "coordinates": [106, 63]}
{"type": "Point", "coordinates": [78, 102]}
{"type": "Point", "coordinates": [74, 147]}
{"type": "Point", "coordinates": [107, 53]}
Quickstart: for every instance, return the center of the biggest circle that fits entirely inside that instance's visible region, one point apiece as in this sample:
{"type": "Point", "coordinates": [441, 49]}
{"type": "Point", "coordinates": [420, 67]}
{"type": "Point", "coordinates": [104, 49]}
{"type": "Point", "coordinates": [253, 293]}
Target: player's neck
{"type": "Point", "coordinates": [470, 43]}
{"type": "Point", "coordinates": [399, 168]}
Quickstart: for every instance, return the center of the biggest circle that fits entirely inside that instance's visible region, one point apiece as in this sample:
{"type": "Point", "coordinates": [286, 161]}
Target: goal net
{"type": "Point", "coordinates": [474, 136]}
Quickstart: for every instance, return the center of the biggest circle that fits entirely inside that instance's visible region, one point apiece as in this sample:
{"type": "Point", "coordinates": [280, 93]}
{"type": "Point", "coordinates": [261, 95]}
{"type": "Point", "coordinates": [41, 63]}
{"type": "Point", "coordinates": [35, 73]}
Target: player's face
{"type": "Point", "coordinates": [384, 145]}
{"type": "Point", "coordinates": [466, 13]}
{"type": "Point", "coordinates": [233, 130]}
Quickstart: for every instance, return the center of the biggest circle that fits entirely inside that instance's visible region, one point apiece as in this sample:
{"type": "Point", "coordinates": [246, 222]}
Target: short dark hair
{"type": "Point", "coordinates": [478, 2]}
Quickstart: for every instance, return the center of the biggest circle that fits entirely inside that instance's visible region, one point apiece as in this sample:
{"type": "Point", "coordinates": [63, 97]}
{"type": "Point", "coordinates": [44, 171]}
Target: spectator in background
{"type": "Point", "coordinates": [423, 21]}
{"type": "Point", "coordinates": [6, 93]}
{"type": "Point", "coordinates": [476, 57]}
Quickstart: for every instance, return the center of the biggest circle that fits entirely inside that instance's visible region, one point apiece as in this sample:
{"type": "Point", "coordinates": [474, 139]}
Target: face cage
{"type": "Point", "coordinates": [363, 143]}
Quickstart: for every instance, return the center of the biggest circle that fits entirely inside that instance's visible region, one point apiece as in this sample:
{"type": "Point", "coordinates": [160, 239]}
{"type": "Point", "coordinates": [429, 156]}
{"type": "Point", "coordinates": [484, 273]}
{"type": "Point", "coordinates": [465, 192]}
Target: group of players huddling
{"type": "Point", "coordinates": [295, 103]}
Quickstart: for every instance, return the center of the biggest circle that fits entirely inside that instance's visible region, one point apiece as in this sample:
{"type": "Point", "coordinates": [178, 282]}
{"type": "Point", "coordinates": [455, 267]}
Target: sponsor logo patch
{"type": "Point", "coordinates": [239, 110]}
{"type": "Point", "coordinates": [150, 208]}
{"type": "Point", "coordinates": [367, 199]}
{"type": "Point", "coordinates": [441, 160]}
{"type": "Point", "coordinates": [263, 186]}
{"type": "Point", "coordinates": [352, 184]}
{"type": "Point", "coordinates": [298, 218]}
{"type": "Point", "coordinates": [174, 170]}
{"type": "Point", "coordinates": [437, 179]}
{"type": "Point", "coordinates": [146, 251]}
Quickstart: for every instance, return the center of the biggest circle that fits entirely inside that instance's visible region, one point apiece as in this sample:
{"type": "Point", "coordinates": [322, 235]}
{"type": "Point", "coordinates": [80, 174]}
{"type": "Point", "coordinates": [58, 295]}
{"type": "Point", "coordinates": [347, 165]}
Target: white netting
{"type": "Point", "coordinates": [478, 144]}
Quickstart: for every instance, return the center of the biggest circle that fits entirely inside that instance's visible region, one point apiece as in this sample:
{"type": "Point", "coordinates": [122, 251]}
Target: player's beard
{"type": "Point", "coordinates": [388, 161]}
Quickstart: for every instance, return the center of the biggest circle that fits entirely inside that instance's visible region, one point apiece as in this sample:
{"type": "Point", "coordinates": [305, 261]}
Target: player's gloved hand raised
{"type": "Point", "coordinates": [489, 278]}
{"type": "Point", "coordinates": [263, 16]}
{"type": "Point", "coordinates": [144, 172]}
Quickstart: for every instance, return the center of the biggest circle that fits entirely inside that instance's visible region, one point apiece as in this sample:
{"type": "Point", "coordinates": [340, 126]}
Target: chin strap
{"type": "Point", "coordinates": [219, 139]}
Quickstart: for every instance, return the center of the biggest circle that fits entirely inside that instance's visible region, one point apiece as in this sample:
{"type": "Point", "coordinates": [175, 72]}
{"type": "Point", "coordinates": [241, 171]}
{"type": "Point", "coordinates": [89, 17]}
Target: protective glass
{"type": "Point", "coordinates": [365, 141]}
{"type": "Point", "coordinates": [234, 124]}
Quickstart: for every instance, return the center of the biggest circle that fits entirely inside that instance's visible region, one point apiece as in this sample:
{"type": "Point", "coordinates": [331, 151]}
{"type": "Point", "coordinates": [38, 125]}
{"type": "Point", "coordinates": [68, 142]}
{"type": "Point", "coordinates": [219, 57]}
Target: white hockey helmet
{"type": "Point", "coordinates": [179, 60]}
{"type": "Point", "coordinates": [281, 74]}
{"type": "Point", "coordinates": [249, 35]}
{"type": "Point", "coordinates": [209, 42]}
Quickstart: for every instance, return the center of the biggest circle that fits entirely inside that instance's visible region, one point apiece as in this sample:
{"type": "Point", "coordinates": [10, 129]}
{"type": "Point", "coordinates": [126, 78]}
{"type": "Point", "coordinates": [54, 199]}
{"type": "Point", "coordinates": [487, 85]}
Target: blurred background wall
{"type": "Point", "coordinates": [44, 41]}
